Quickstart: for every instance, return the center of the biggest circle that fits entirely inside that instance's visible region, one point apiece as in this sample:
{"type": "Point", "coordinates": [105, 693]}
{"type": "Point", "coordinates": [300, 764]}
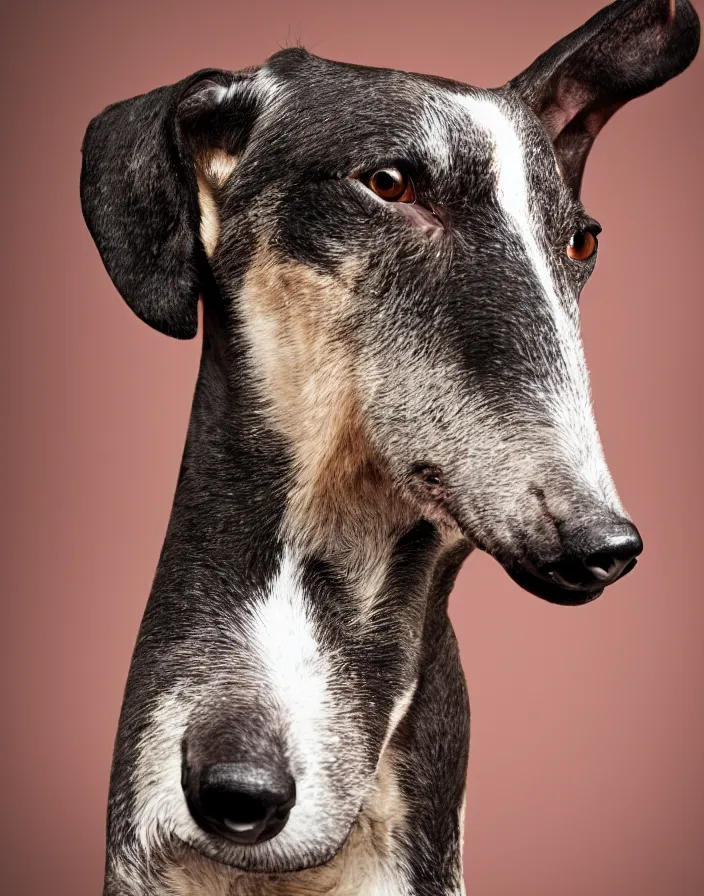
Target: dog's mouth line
{"type": "Point", "coordinates": [552, 591]}
{"type": "Point", "coordinates": [278, 872]}
{"type": "Point", "coordinates": [548, 584]}
{"type": "Point", "coordinates": [551, 587]}
{"type": "Point", "coordinates": [274, 871]}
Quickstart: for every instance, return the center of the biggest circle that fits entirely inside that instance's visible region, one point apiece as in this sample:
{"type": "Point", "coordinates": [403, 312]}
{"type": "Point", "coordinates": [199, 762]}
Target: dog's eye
{"type": "Point", "coordinates": [391, 184]}
{"type": "Point", "coordinates": [582, 245]}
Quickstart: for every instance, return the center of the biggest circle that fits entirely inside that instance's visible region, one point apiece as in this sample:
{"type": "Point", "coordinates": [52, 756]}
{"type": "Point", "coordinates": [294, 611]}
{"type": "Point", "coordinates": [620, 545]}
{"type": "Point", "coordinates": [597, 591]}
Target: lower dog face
{"type": "Point", "coordinates": [278, 693]}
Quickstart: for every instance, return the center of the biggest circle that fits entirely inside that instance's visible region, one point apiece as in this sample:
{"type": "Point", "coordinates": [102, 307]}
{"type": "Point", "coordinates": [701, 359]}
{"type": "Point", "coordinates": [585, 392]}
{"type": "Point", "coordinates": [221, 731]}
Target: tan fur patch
{"type": "Point", "coordinates": [212, 171]}
{"type": "Point", "coordinates": [209, 216]}
{"type": "Point", "coordinates": [217, 166]}
{"type": "Point", "coordinates": [342, 501]}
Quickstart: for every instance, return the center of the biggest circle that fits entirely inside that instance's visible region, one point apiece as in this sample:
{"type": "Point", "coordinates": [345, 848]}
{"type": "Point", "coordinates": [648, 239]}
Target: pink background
{"type": "Point", "coordinates": [586, 771]}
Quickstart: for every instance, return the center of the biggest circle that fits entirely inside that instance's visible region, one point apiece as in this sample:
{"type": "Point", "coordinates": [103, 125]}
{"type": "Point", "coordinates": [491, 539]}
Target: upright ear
{"type": "Point", "coordinates": [624, 51]}
{"type": "Point", "coordinates": [139, 189]}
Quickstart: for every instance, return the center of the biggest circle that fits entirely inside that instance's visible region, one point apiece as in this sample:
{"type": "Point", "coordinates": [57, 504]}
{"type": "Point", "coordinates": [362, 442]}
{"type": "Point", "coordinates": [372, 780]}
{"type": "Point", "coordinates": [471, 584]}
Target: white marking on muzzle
{"type": "Point", "coordinates": [312, 709]}
{"type": "Point", "coordinates": [308, 705]}
{"type": "Point", "coordinates": [299, 674]}
{"type": "Point", "coordinates": [159, 802]}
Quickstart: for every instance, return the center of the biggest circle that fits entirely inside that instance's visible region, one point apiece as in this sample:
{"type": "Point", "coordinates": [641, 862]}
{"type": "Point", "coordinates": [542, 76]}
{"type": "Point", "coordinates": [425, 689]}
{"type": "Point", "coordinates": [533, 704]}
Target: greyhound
{"type": "Point", "coordinates": [392, 375]}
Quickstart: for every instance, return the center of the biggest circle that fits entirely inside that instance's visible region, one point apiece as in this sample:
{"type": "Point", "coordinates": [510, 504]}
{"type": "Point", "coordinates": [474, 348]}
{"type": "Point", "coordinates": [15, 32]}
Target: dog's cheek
{"type": "Point", "coordinates": [324, 224]}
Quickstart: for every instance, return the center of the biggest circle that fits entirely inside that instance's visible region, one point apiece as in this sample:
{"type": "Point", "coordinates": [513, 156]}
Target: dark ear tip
{"type": "Point", "coordinates": [685, 29]}
{"type": "Point", "coordinates": [182, 330]}
{"type": "Point", "coordinates": [184, 327]}
{"type": "Point", "coordinates": [164, 298]}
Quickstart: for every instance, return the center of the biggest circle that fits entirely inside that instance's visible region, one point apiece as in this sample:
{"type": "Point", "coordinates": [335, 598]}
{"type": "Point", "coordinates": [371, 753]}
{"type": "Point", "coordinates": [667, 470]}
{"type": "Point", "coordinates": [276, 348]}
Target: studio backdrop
{"type": "Point", "coordinates": [586, 774]}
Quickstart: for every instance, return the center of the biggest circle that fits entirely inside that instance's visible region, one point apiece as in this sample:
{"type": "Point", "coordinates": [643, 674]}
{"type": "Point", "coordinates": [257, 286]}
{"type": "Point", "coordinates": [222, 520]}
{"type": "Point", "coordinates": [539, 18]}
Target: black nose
{"type": "Point", "coordinates": [593, 560]}
{"type": "Point", "coordinates": [245, 803]}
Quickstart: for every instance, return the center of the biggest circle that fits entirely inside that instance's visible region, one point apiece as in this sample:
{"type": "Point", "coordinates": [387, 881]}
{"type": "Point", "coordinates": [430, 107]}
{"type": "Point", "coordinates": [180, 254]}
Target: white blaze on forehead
{"type": "Point", "coordinates": [266, 85]}
{"type": "Point", "coordinates": [570, 397]}
{"type": "Point", "coordinates": [514, 198]}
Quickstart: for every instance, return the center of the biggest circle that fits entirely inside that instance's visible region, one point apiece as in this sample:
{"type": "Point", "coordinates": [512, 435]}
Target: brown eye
{"type": "Point", "coordinates": [582, 245]}
{"type": "Point", "coordinates": [392, 185]}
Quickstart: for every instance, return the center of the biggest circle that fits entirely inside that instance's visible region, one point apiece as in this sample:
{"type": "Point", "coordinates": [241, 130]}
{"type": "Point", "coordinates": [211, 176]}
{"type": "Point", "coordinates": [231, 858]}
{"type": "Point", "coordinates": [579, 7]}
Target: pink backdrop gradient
{"type": "Point", "coordinates": [586, 770]}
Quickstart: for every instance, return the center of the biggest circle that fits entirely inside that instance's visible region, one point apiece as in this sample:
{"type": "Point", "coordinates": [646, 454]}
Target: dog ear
{"type": "Point", "coordinates": [139, 189]}
{"type": "Point", "coordinates": [624, 51]}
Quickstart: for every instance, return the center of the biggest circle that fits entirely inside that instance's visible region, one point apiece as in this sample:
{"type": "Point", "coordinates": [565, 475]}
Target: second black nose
{"type": "Point", "coordinates": [596, 559]}
{"type": "Point", "coordinates": [245, 803]}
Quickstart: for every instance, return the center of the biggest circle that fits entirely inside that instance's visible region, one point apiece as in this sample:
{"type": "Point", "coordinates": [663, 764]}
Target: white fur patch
{"type": "Point", "coordinates": [570, 400]}
{"type": "Point", "coordinates": [461, 890]}
{"type": "Point", "coordinates": [301, 678]}
{"type": "Point", "coordinates": [159, 801]}
{"type": "Point", "coordinates": [435, 134]}
{"type": "Point", "coordinates": [401, 707]}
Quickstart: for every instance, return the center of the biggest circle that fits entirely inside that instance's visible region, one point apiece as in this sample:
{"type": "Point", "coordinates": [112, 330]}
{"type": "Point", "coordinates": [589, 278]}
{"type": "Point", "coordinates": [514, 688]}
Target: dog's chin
{"type": "Point", "coordinates": [551, 591]}
{"type": "Point", "coordinates": [263, 858]}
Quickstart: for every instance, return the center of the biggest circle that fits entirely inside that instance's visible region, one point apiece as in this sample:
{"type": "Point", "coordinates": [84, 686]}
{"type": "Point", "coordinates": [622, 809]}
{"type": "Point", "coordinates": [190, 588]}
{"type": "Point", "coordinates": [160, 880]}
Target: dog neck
{"type": "Point", "coordinates": [328, 495]}
{"type": "Point", "coordinates": [374, 576]}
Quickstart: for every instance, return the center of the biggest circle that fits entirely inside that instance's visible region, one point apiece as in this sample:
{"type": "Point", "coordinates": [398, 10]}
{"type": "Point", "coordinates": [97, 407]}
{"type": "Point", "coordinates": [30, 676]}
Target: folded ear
{"type": "Point", "coordinates": [624, 51]}
{"type": "Point", "coordinates": [139, 189]}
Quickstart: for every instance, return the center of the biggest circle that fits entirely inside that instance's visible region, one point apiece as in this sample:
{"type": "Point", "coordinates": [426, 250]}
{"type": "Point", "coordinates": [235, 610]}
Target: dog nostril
{"type": "Point", "coordinates": [602, 566]}
{"type": "Point", "coordinates": [244, 803]}
{"type": "Point", "coordinates": [615, 557]}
